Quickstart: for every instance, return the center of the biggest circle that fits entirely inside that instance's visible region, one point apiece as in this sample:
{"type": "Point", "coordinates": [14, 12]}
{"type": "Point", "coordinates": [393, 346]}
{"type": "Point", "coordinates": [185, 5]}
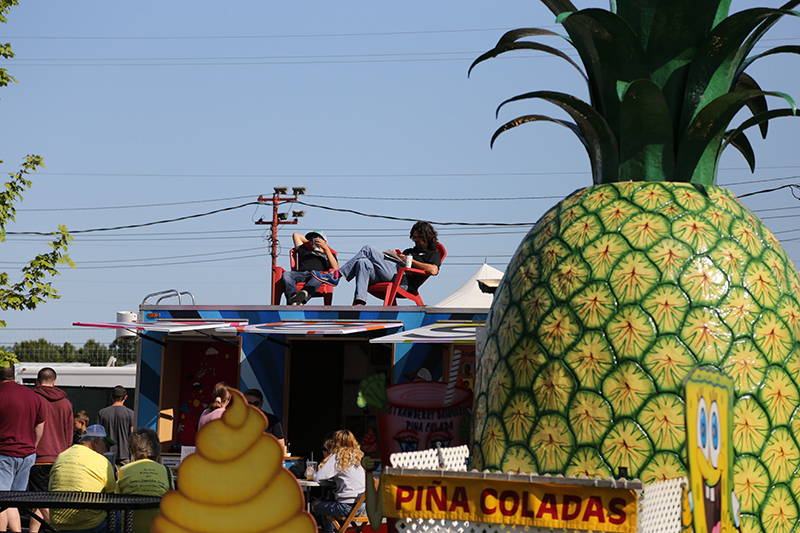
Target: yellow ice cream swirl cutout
{"type": "Point", "coordinates": [235, 481]}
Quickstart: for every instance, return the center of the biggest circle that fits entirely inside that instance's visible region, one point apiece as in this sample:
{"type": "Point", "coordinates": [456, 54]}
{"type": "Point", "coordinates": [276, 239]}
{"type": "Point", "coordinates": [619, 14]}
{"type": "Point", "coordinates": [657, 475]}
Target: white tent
{"type": "Point", "coordinates": [469, 294]}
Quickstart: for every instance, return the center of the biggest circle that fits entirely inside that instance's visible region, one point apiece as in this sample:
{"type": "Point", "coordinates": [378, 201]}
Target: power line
{"type": "Point", "coordinates": [387, 217]}
{"type": "Point", "coordinates": [78, 231]}
{"type": "Point", "coordinates": [242, 37]}
{"type": "Point", "coordinates": [470, 54]}
{"type": "Point", "coordinates": [289, 36]}
{"type": "Point", "coordinates": [339, 176]}
{"type": "Point", "coordinates": [508, 198]}
{"type": "Point", "coordinates": [115, 207]}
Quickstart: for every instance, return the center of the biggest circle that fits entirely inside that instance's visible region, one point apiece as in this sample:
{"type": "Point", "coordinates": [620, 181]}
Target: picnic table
{"type": "Point", "coordinates": [26, 501]}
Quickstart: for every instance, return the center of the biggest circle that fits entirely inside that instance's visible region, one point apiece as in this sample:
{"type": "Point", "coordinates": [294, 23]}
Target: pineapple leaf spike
{"type": "Point", "coordinates": [696, 70]}
{"type": "Point", "coordinates": [510, 41]}
{"type": "Point", "coordinates": [712, 72]}
{"type": "Point", "coordinates": [700, 147]}
{"type": "Point", "coordinates": [741, 143]}
{"type": "Point", "coordinates": [595, 134]}
{"type": "Point", "coordinates": [732, 137]}
{"type": "Point", "coordinates": [757, 105]}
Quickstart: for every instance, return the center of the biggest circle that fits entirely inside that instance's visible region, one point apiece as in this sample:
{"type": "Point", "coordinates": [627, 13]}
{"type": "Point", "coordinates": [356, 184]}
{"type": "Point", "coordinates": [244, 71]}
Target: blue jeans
{"type": "Point", "coordinates": [291, 279]}
{"type": "Point", "coordinates": [369, 266]}
{"type": "Point", "coordinates": [323, 509]}
{"type": "Point", "coordinates": [14, 471]}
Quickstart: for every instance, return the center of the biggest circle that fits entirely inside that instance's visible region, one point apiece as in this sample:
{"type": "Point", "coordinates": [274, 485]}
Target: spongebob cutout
{"type": "Point", "coordinates": [710, 506]}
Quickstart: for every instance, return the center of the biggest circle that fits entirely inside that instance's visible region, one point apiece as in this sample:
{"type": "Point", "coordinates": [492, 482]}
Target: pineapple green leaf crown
{"type": "Point", "coordinates": [666, 79]}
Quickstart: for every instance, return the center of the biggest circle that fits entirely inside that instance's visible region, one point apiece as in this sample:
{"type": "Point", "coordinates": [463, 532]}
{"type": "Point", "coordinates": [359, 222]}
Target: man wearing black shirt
{"type": "Point", "coordinates": [370, 265]}
{"type": "Point", "coordinates": [255, 398]}
{"type": "Point", "coordinates": [313, 253]}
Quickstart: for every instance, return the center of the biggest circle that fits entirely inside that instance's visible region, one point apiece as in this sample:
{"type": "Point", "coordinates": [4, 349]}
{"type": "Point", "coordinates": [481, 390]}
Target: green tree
{"type": "Point", "coordinates": [124, 349]}
{"type": "Point", "coordinates": [32, 288]}
{"type": "Point", "coordinates": [93, 352]}
{"type": "Point", "coordinates": [44, 351]}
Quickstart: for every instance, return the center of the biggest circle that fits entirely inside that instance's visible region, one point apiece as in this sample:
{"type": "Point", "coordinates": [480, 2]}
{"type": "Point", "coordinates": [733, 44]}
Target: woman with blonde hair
{"type": "Point", "coordinates": [343, 465]}
{"type": "Point", "coordinates": [222, 397]}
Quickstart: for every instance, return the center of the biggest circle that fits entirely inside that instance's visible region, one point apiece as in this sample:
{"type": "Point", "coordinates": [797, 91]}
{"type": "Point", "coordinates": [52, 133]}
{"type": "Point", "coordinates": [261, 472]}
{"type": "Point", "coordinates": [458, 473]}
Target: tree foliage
{"type": "Point", "coordinates": [93, 352]}
{"type": "Point", "coordinates": [32, 288]}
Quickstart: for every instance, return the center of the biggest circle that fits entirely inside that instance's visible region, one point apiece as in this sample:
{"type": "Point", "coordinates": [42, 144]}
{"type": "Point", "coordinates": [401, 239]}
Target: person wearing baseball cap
{"type": "Point", "coordinates": [313, 253]}
{"type": "Point", "coordinates": [83, 467]}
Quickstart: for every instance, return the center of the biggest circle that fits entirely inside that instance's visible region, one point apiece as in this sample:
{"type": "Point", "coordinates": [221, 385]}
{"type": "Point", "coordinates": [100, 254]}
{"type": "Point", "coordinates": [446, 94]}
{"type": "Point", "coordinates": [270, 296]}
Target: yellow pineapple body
{"type": "Point", "coordinates": [609, 302]}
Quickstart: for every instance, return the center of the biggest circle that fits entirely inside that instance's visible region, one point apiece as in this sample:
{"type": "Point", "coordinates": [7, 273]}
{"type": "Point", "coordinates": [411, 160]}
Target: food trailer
{"type": "Point", "coordinates": [308, 361]}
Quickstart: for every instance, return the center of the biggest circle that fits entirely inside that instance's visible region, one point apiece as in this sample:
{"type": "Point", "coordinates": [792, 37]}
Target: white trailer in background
{"type": "Point", "coordinates": [88, 387]}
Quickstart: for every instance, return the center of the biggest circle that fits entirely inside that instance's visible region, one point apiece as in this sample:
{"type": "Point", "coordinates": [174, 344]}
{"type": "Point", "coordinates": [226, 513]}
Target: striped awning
{"type": "Point", "coordinates": [441, 332]}
{"type": "Point", "coordinates": [161, 327]}
{"type": "Point", "coordinates": [313, 328]}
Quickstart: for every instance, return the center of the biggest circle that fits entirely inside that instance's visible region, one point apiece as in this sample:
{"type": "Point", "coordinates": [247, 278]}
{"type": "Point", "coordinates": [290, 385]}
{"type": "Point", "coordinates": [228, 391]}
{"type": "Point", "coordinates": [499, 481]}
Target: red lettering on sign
{"type": "Point", "coordinates": [437, 496]}
{"type": "Point", "coordinates": [459, 500]}
{"type": "Point", "coordinates": [548, 506]}
{"type": "Point", "coordinates": [526, 513]}
{"type": "Point", "coordinates": [513, 497]}
{"type": "Point", "coordinates": [617, 514]}
{"type": "Point", "coordinates": [484, 508]}
{"type": "Point", "coordinates": [418, 503]}
{"type": "Point", "coordinates": [404, 495]}
{"type": "Point", "coordinates": [594, 508]}
{"type": "Point", "coordinates": [566, 512]}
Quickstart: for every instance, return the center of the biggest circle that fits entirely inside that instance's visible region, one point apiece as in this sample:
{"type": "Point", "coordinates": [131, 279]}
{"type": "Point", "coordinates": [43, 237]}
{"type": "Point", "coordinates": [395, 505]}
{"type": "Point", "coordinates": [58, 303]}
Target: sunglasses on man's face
{"type": "Point", "coordinates": [255, 403]}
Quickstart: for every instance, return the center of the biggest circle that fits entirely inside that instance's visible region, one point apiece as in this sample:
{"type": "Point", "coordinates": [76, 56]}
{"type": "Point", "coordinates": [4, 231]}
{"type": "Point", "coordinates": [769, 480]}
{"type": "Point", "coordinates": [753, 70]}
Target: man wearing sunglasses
{"type": "Point", "coordinates": [255, 398]}
{"type": "Point", "coordinates": [370, 265]}
{"type": "Point", "coordinates": [313, 253]}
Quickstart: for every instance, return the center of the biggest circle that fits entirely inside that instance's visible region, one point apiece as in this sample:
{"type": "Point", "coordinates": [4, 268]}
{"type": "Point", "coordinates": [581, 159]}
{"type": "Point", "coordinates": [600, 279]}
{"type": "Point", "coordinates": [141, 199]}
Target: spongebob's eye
{"type": "Point", "coordinates": [713, 421]}
{"type": "Point", "coordinates": [702, 427]}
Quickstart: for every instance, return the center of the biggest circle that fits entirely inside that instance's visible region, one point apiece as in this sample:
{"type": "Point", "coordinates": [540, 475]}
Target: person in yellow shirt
{"type": "Point", "coordinates": [83, 467]}
{"type": "Point", "coordinates": [145, 476]}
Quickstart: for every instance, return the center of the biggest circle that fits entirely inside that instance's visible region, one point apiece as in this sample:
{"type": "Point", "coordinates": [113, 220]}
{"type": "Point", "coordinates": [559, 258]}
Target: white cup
{"type": "Point", "coordinates": [408, 260]}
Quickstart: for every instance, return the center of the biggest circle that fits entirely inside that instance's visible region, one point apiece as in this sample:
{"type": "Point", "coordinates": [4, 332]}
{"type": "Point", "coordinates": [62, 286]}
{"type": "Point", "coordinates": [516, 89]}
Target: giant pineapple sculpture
{"type": "Point", "coordinates": [624, 287]}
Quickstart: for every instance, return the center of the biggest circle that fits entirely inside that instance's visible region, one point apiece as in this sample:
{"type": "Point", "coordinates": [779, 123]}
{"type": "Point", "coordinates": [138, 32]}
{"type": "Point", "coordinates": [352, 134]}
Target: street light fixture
{"type": "Point", "coordinates": [279, 196]}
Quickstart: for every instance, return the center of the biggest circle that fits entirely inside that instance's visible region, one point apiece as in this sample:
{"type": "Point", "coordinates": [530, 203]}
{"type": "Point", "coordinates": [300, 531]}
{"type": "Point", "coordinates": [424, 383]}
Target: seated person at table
{"type": "Point", "coordinates": [370, 266]}
{"type": "Point", "coordinates": [83, 467]}
{"type": "Point", "coordinates": [215, 410]}
{"type": "Point", "coordinates": [342, 465]}
{"type": "Point", "coordinates": [255, 398]}
{"type": "Point", "coordinates": [313, 253]}
{"type": "Point", "coordinates": [145, 476]}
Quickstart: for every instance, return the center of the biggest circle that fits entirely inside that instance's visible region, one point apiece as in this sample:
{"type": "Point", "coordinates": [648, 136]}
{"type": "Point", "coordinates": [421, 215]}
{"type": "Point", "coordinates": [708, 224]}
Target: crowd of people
{"type": "Point", "coordinates": [317, 264]}
{"type": "Point", "coordinates": [45, 446]}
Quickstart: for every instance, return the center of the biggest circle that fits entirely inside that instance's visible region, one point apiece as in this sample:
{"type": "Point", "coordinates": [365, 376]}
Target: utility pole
{"type": "Point", "coordinates": [279, 196]}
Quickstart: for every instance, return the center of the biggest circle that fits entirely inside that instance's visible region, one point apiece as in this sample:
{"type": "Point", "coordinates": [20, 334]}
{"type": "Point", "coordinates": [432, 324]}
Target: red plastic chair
{"type": "Point", "coordinates": [390, 291]}
{"type": "Point", "coordinates": [325, 291]}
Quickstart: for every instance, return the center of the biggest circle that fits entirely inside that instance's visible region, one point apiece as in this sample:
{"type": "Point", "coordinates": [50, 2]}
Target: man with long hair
{"type": "Point", "coordinates": [370, 265]}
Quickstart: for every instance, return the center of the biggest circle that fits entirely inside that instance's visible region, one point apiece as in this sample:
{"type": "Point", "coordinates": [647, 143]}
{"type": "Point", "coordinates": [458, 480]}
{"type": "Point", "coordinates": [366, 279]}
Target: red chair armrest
{"type": "Point", "coordinates": [277, 284]}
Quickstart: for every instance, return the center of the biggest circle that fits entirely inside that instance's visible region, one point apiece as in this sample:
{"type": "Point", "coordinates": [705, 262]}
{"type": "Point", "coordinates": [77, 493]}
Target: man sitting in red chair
{"type": "Point", "coordinates": [370, 265]}
{"type": "Point", "coordinates": [313, 253]}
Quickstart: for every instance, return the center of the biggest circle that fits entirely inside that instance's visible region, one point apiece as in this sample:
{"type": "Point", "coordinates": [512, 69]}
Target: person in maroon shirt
{"type": "Point", "coordinates": [56, 438]}
{"type": "Point", "coordinates": [21, 428]}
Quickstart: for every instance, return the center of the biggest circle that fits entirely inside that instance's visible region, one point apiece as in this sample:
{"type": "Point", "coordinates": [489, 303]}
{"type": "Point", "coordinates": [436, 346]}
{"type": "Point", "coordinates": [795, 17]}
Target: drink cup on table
{"type": "Point", "coordinates": [311, 469]}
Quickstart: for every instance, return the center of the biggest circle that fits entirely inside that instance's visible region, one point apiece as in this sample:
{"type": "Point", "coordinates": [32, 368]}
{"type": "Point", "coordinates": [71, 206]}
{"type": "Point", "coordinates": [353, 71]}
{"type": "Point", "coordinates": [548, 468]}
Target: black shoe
{"type": "Point", "coordinates": [298, 299]}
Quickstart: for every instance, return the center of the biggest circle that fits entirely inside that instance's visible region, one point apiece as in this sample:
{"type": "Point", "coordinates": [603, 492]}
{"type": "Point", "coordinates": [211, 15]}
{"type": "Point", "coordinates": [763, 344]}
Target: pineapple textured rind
{"type": "Point", "coordinates": [610, 300]}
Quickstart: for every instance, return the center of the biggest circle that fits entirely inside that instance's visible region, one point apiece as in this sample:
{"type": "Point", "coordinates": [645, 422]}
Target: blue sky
{"type": "Point", "coordinates": [151, 111]}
